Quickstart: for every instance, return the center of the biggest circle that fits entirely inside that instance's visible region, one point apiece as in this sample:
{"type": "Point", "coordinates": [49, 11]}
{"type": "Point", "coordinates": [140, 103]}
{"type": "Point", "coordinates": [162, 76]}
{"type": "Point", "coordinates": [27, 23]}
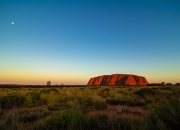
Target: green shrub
{"type": "Point", "coordinates": [125, 123]}
{"type": "Point", "coordinates": [11, 101]}
{"type": "Point", "coordinates": [100, 105]}
{"type": "Point", "coordinates": [54, 90]}
{"type": "Point", "coordinates": [145, 91]}
{"type": "Point", "coordinates": [1, 111]}
{"type": "Point", "coordinates": [99, 122]}
{"type": "Point", "coordinates": [34, 98]}
{"type": "Point", "coordinates": [165, 116]}
{"type": "Point", "coordinates": [59, 106]}
{"type": "Point", "coordinates": [114, 101]}
{"type": "Point", "coordinates": [66, 120]}
{"type": "Point", "coordinates": [106, 89]}
{"type": "Point", "coordinates": [14, 120]}
{"type": "Point", "coordinates": [26, 116]}
{"type": "Point", "coordinates": [45, 91]}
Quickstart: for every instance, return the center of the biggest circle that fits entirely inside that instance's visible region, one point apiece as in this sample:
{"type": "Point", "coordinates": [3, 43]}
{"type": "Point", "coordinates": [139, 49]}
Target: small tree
{"type": "Point", "coordinates": [48, 83]}
{"type": "Point", "coordinates": [177, 84]}
{"type": "Point", "coordinates": [163, 84]}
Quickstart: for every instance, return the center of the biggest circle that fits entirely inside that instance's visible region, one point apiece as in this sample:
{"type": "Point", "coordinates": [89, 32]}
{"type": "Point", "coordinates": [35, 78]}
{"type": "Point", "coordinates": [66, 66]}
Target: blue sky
{"type": "Point", "coordinates": [71, 41]}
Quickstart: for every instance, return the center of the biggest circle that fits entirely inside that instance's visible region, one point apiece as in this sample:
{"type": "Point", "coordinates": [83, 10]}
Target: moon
{"type": "Point", "coordinates": [12, 22]}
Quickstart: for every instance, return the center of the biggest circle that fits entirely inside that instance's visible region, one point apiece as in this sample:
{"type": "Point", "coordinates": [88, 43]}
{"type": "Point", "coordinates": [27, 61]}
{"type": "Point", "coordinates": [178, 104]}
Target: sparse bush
{"type": "Point", "coordinates": [11, 101]}
{"type": "Point", "coordinates": [145, 91]}
{"type": "Point", "coordinates": [125, 123]}
{"type": "Point", "coordinates": [169, 84]}
{"type": "Point", "coordinates": [15, 119]}
{"type": "Point", "coordinates": [165, 116]}
{"type": "Point", "coordinates": [115, 101]}
{"type": "Point", "coordinates": [1, 111]}
{"type": "Point", "coordinates": [66, 120]}
{"type": "Point", "coordinates": [100, 105]}
{"type": "Point", "coordinates": [106, 89]}
{"type": "Point", "coordinates": [163, 84]}
{"type": "Point", "coordinates": [58, 106]}
{"type": "Point", "coordinates": [45, 91]}
{"type": "Point", "coordinates": [54, 90]}
{"type": "Point", "coordinates": [99, 122]}
{"type": "Point", "coordinates": [178, 84]}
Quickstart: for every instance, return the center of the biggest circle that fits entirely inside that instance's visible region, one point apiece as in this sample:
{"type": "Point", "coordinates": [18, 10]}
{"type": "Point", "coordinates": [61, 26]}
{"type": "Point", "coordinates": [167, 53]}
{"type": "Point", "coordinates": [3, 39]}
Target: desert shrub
{"type": "Point", "coordinates": [178, 84]}
{"type": "Point", "coordinates": [163, 84]}
{"type": "Point", "coordinates": [45, 91]}
{"type": "Point", "coordinates": [66, 120]}
{"type": "Point", "coordinates": [94, 87]}
{"type": "Point", "coordinates": [104, 93]}
{"type": "Point", "coordinates": [128, 102]}
{"type": "Point", "coordinates": [100, 105]}
{"type": "Point", "coordinates": [145, 91]}
{"type": "Point", "coordinates": [32, 115]}
{"type": "Point", "coordinates": [169, 84]}
{"type": "Point", "coordinates": [106, 89]}
{"type": "Point", "coordinates": [81, 88]}
{"type": "Point", "coordinates": [54, 90]}
{"type": "Point", "coordinates": [165, 116]}
{"type": "Point", "coordinates": [129, 88]}
{"type": "Point", "coordinates": [99, 122]}
{"type": "Point", "coordinates": [11, 101]}
{"type": "Point", "coordinates": [125, 123]}
{"type": "Point", "coordinates": [59, 106]}
{"type": "Point", "coordinates": [14, 120]}
{"type": "Point", "coordinates": [154, 84]}
{"type": "Point", "coordinates": [34, 98]}
{"type": "Point", "coordinates": [1, 111]}
{"type": "Point", "coordinates": [114, 101]}
{"type": "Point", "coordinates": [166, 88]}
{"type": "Point", "coordinates": [26, 115]}
{"type": "Point", "coordinates": [2, 127]}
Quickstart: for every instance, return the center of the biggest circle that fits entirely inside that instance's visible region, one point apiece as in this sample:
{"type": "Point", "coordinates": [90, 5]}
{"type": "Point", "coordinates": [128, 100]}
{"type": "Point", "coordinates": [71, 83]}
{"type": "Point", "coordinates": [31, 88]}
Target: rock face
{"type": "Point", "coordinates": [118, 79]}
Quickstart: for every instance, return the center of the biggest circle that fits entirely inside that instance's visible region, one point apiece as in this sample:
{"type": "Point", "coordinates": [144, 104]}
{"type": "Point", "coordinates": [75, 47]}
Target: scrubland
{"type": "Point", "coordinates": [90, 108]}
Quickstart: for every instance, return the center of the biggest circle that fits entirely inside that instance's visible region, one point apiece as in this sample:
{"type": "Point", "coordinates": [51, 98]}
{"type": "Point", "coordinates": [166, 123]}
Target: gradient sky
{"type": "Point", "coordinates": [68, 42]}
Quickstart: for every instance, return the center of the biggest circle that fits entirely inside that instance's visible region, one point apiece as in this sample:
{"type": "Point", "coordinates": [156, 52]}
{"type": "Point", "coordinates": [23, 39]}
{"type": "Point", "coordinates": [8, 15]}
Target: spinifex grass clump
{"type": "Point", "coordinates": [27, 115]}
{"type": "Point", "coordinates": [99, 122]}
{"type": "Point", "coordinates": [165, 116]}
{"type": "Point", "coordinates": [14, 120]}
{"type": "Point", "coordinates": [145, 91]}
{"type": "Point", "coordinates": [1, 112]}
{"type": "Point", "coordinates": [66, 120]}
{"type": "Point", "coordinates": [128, 102]}
{"type": "Point", "coordinates": [34, 99]}
{"type": "Point", "coordinates": [11, 101]}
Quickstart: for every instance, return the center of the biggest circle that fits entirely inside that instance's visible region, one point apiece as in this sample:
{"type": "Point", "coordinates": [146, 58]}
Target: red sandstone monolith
{"type": "Point", "coordinates": [118, 79]}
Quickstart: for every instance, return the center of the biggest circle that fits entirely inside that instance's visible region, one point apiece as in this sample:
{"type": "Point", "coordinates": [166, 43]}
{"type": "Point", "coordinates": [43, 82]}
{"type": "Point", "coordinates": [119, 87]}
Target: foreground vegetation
{"type": "Point", "coordinates": [90, 108]}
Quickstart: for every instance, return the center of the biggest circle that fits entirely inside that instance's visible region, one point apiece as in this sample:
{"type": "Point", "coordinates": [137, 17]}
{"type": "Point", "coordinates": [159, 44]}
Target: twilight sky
{"type": "Point", "coordinates": [68, 42]}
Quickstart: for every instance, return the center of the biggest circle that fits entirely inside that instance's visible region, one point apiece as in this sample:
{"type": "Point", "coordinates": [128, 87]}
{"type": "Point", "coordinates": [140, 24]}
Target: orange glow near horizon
{"type": "Point", "coordinates": [30, 78]}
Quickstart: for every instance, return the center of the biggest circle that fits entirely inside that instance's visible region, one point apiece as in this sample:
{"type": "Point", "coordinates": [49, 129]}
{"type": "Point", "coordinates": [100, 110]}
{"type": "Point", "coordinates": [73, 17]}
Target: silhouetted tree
{"type": "Point", "coordinates": [163, 84]}
{"type": "Point", "coordinates": [48, 83]}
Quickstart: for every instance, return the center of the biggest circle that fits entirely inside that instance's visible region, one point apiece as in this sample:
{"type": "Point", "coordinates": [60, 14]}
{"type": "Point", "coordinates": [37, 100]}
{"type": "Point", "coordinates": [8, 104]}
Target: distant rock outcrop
{"type": "Point", "coordinates": [118, 79]}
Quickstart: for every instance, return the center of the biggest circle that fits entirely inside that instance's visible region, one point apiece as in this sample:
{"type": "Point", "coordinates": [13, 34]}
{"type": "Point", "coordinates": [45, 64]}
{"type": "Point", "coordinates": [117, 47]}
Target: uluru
{"type": "Point", "coordinates": [118, 79]}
